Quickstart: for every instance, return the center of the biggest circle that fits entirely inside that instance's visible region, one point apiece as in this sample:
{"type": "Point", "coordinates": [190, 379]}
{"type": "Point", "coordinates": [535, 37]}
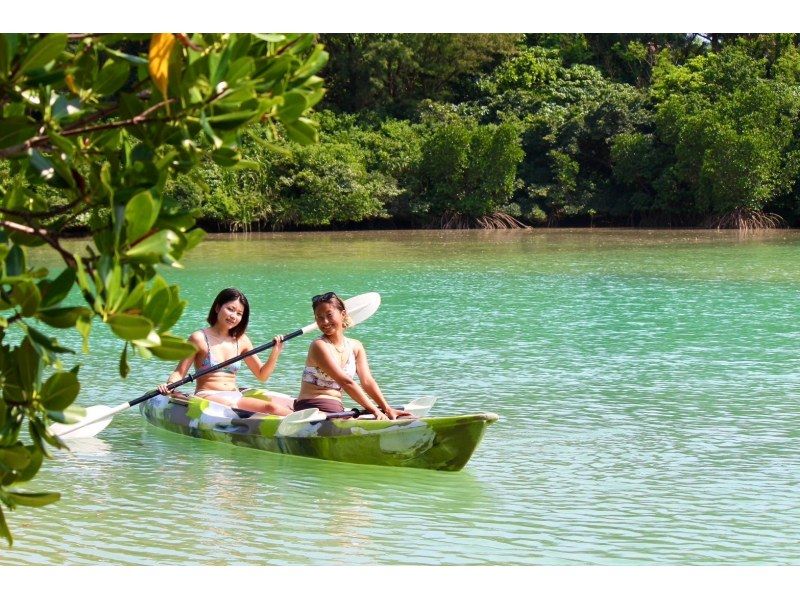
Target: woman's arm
{"type": "Point", "coordinates": [261, 371]}
{"type": "Point", "coordinates": [369, 384]}
{"type": "Point", "coordinates": [365, 376]}
{"type": "Point", "coordinates": [183, 366]}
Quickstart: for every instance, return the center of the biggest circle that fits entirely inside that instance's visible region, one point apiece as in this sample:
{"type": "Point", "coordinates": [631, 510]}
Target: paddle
{"type": "Point", "coordinates": [293, 422]}
{"type": "Point", "coordinates": [98, 417]}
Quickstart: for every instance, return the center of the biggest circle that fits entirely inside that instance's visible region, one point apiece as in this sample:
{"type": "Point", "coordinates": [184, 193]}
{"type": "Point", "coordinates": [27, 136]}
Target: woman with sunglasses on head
{"type": "Point", "coordinates": [225, 339]}
{"type": "Point", "coordinates": [332, 363]}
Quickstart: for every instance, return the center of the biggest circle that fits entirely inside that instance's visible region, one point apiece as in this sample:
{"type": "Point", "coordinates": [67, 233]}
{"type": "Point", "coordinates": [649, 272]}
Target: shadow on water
{"type": "Point", "coordinates": [316, 475]}
{"type": "Point", "coordinates": [306, 511]}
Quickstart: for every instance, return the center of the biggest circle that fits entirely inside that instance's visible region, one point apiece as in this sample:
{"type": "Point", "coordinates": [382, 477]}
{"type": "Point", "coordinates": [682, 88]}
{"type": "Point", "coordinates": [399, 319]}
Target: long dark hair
{"type": "Point", "coordinates": [226, 296]}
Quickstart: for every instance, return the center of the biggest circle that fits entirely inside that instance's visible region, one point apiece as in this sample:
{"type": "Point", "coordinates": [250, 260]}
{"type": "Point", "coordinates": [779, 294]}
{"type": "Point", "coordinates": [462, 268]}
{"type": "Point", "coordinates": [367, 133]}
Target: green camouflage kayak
{"type": "Point", "coordinates": [444, 443]}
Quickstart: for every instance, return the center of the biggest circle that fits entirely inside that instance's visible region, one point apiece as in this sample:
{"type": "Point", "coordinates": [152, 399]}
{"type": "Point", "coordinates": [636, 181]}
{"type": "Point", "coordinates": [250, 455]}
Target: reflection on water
{"type": "Point", "coordinates": [87, 446]}
{"type": "Point", "coordinates": [646, 380]}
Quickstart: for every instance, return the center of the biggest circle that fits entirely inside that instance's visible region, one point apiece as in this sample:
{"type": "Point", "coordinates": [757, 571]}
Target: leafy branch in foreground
{"type": "Point", "coordinates": [92, 128]}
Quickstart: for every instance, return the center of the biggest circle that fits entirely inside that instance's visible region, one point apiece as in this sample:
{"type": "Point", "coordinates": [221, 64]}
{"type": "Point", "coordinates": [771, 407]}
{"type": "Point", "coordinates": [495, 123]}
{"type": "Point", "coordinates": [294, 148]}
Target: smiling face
{"type": "Point", "coordinates": [329, 318]}
{"type": "Point", "coordinates": [230, 314]}
{"type": "Point", "coordinates": [229, 306]}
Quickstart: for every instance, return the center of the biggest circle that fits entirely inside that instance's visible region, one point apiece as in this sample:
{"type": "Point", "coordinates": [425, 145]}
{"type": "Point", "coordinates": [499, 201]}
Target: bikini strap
{"type": "Point", "coordinates": [207, 343]}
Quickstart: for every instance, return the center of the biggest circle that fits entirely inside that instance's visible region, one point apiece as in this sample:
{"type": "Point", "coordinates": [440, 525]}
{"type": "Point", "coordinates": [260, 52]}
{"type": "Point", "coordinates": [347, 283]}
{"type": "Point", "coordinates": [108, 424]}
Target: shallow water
{"type": "Point", "coordinates": [647, 384]}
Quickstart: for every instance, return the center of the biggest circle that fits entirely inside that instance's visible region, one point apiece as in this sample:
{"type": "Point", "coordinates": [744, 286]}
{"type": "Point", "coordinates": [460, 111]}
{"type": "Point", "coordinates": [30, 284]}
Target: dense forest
{"type": "Point", "coordinates": [499, 130]}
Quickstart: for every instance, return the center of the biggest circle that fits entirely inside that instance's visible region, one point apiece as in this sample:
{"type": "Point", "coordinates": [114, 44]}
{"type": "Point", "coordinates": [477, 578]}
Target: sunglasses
{"type": "Point", "coordinates": [317, 299]}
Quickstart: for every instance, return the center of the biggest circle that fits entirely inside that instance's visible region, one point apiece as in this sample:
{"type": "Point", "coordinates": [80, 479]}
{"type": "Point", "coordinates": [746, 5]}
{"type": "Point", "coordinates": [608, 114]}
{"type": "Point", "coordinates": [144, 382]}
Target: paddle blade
{"type": "Point", "coordinates": [363, 306]}
{"type": "Point", "coordinates": [294, 422]}
{"type": "Point", "coordinates": [100, 415]}
{"type": "Point", "coordinates": [420, 407]}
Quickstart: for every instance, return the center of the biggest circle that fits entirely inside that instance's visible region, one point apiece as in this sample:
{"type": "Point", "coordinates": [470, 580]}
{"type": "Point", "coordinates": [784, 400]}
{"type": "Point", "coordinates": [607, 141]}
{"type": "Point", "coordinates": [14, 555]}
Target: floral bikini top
{"type": "Point", "coordinates": [208, 361]}
{"type": "Point", "coordinates": [314, 375]}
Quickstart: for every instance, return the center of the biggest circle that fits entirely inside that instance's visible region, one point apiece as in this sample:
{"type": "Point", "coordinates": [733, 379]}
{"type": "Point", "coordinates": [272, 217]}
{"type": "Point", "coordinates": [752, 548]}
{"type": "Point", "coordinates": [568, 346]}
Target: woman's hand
{"type": "Point", "coordinates": [379, 414]}
{"type": "Point", "coordinates": [162, 389]}
{"type": "Point", "coordinates": [395, 413]}
{"type": "Point", "coordinates": [278, 340]}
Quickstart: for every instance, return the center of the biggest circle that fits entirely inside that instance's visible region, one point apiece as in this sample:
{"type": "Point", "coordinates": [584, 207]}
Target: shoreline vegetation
{"type": "Point", "coordinates": [499, 131]}
{"type": "Point", "coordinates": [542, 130]}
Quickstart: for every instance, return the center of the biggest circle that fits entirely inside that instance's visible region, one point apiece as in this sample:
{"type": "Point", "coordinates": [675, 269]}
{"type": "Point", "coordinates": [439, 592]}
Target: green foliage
{"type": "Point", "coordinates": [620, 57]}
{"type": "Point", "coordinates": [569, 116]}
{"type": "Point", "coordinates": [324, 184]}
{"type": "Point", "coordinates": [92, 128]}
{"type": "Point", "coordinates": [533, 69]}
{"type": "Point", "coordinates": [468, 169]}
{"type": "Point", "coordinates": [309, 186]}
{"type": "Point", "coordinates": [648, 128]}
{"type": "Point", "coordinates": [733, 130]}
{"type": "Point", "coordinates": [394, 72]}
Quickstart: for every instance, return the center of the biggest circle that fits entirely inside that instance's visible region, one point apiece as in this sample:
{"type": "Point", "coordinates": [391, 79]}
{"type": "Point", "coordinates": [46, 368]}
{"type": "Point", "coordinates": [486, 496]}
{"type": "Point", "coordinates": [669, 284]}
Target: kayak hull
{"type": "Point", "coordinates": [441, 443]}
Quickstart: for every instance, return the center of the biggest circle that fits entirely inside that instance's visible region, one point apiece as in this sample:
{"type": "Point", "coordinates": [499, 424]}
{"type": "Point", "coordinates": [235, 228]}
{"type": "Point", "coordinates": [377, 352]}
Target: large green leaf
{"type": "Point", "coordinates": [4, 531]}
{"type": "Point", "coordinates": [84, 327]}
{"type": "Point", "coordinates": [60, 390]}
{"type": "Point", "coordinates": [54, 291]}
{"type": "Point", "coordinates": [15, 261]}
{"type": "Point", "coordinates": [62, 317]}
{"type": "Point", "coordinates": [28, 364]}
{"type": "Point", "coordinates": [232, 120]}
{"type": "Point", "coordinates": [173, 313]}
{"type": "Point", "coordinates": [71, 415]}
{"type": "Point", "coordinates": [124, 368]}
{"type": "Point", "coordinates": [154, 248]}
{"type": "Point", "coordinates": [157, 302]}
{"type": "Point", "coordinates": [34, 499]}
{"type": "Point", "coordinates": [15, 130]}
{"type": "Point", "coordinates": [136, 60]}
{"type": "Point", "coordinates": [130, 328]}
{"type": "Point", "coordinates": [173, 348]}
{"type": "Point", "coordinates": [48, 344]}
{"type": "Point", "coordinates": [111, 77]}
{"type": "Point", "coordinates": [44, 51]}
{"type": "Point", "coordinates": [33, 466]}
{"type": "Point", "coordinates": [140, 214]}
{"type": "Point", "coordinates": [315, 62]}
{"type": "Point", "coordinates": [226, 157]}
{"type": "Point", "coordinates": [151, 340]}
{"type": "Point", "coordinates": [14, 457]}
{"type": "Point", "coordinates": [133, 300]}
{"type": "Point", "coordinates": [302, 131]}
{"type": "Point", "coordinates": [5, 55]}
{"type": "Point", "coordinates": [294, 104]}
{"type": "Point", "coordinates": [240, 68]}
{"type": "Point", "coordinates": [27, 296]}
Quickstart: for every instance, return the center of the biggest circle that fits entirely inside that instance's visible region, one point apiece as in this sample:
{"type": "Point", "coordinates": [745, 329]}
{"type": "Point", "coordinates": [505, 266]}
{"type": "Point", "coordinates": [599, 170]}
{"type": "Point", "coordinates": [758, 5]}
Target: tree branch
{"type": "Point", "coordinates": [43, 234]}
{"type": "Point", "coordinates": [41, 139]}
{"type": "Point", "coordinates": [28, 216]}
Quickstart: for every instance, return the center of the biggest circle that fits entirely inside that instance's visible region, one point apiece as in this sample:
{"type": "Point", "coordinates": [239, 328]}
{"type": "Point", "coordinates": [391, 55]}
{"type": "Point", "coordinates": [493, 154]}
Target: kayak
{"type": "Point", "coordinates": [441, 443]}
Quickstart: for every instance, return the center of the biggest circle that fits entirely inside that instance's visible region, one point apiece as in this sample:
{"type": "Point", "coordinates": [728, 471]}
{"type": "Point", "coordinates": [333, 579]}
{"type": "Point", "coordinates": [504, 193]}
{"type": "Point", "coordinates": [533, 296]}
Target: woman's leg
{"type": "Point", "coordinates": [273, 405]}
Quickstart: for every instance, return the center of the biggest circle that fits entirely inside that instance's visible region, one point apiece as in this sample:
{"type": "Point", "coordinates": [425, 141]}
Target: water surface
{"type": "Point", "coordinates": [647, 384]}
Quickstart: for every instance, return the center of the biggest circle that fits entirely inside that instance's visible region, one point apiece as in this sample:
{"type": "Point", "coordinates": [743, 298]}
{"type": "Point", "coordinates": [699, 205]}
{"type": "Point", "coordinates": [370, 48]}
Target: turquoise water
{"type": "Point", "coordinates": [647, 384]}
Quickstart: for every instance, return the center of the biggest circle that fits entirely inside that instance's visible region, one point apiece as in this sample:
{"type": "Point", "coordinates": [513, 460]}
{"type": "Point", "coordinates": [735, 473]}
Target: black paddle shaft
{"type": "Point", "coordinates": [354, 412]}
{"type": "Point", "coordinates": [213, 368]}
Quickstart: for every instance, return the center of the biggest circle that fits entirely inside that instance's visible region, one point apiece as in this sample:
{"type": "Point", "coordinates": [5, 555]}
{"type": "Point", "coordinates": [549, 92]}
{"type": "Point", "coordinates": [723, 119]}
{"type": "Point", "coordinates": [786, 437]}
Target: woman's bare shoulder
{"type": "Point", "coordinates": [197, 337]}
{"type": "Point", "coordinates": [245, 344]}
